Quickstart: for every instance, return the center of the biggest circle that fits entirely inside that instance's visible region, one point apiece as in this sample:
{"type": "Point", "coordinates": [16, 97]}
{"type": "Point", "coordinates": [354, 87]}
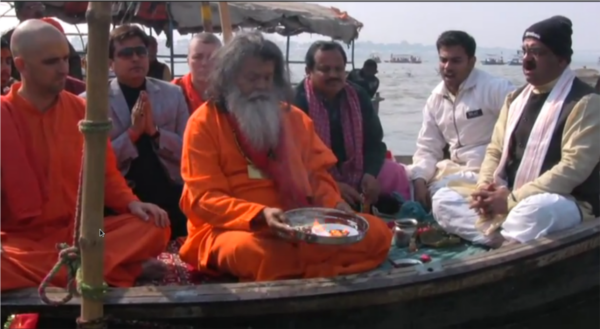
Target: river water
{"type": "Point", "coordinates": [405, 88]}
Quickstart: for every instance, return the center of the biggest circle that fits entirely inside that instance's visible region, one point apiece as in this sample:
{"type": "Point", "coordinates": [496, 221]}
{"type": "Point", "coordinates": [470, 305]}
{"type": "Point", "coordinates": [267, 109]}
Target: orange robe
{"type": "Point", "coordinates": [192, 97]}
{"type": "Point", "coordinates": [29, 243]}
{"type": "Point", "coordinates": [220, 200]}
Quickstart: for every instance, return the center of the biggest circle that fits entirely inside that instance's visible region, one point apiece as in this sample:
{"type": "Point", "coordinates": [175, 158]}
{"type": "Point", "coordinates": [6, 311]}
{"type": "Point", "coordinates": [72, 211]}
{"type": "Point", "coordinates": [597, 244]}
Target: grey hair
{"type": "Point", "coordinates": [207, 38]}
{"type": "Point", "coordinates": [228, 61]}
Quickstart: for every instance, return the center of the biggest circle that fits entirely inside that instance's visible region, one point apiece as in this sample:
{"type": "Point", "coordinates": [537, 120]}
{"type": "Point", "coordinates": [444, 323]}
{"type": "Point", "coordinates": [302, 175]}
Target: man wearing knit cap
{"type": "Point", "coordinates": [540, 172]}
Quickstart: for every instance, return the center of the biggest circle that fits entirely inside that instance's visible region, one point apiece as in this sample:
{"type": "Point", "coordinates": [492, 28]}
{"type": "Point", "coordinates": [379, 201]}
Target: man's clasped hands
{"type": "Point", "coordinates": [142, 121]}
{"type": "Point", "coordinates": [490, 200]}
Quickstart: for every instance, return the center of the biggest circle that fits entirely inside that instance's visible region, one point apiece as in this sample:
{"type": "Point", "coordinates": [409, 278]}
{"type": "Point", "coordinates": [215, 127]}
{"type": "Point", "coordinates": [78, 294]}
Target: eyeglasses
{"type": "Point", "coordinates": [128, 52]}
{"type": "Point", "coordinates": [534, 51]}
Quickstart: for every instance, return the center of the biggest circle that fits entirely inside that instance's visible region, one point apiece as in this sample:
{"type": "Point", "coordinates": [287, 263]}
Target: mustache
{"type": "Point", "coordinates": [259, 95]}
{"type": "Point", "coordinates": [333, 80]}
{"type": "Point", "coordinates": [529, 65]}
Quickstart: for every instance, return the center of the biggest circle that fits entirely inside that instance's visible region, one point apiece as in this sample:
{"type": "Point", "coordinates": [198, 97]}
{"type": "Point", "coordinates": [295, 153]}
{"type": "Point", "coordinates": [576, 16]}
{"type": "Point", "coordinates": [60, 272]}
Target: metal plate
{"type": "Point", "coordinates": [301, 222]}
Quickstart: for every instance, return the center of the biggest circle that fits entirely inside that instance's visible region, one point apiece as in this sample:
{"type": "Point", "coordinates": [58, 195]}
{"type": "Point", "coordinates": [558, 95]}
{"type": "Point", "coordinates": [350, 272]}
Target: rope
{"type": "Point", "coordinates": [70, 256]}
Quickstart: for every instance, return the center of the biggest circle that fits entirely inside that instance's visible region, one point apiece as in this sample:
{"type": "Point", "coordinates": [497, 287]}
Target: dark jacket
{"type": "Point", "coordinates": [74, 60]}
{"type": "Point", "coordinates": [589, 190]}
{"type": "Point", "coordinates": [369, 85]}
{"type": "Point", "coordinates": [374, 149]}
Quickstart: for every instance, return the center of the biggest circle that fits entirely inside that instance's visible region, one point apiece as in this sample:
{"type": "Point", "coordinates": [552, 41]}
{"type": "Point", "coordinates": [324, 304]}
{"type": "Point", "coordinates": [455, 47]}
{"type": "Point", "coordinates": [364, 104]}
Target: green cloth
{"type": "Point", "coordinates": [412, 209]}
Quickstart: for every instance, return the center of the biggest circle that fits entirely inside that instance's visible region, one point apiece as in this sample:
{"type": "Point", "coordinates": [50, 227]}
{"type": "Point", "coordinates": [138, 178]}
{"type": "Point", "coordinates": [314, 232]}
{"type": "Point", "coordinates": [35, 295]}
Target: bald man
{"type": "Point", "coordinates": [193, 84]}
{"type": "Point", "coordinates": [156, 69]}
{"type": "Point", "coordinates": [41, 161]}
{"type": "Point", "coordinates": [25, 10]}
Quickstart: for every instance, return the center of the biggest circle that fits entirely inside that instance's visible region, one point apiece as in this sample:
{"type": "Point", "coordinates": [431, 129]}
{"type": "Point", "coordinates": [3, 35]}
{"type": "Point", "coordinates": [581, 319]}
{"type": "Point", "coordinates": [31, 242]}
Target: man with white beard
{"type": "Point", "coordinates": [249, 156]}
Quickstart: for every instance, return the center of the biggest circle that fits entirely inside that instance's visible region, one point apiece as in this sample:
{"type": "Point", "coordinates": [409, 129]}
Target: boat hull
{"type": "Point", "coordinates": [518, 277]}
{"type": "Point", "coordinates": [498, 283]}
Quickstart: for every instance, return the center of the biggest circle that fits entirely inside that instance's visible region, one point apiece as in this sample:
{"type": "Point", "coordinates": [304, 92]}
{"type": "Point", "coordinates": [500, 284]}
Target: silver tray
{"type": "Point", "coordinates": [302, 226]}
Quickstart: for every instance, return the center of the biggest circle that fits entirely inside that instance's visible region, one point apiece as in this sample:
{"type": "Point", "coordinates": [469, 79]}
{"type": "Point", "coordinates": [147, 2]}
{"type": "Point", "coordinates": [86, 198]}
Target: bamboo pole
{"type": "Point", "coordinates": [206, 14]}
{"type": "Point", "coordinates": [95, 129]}
{"type": "Point", "coordinates": [225, 22]}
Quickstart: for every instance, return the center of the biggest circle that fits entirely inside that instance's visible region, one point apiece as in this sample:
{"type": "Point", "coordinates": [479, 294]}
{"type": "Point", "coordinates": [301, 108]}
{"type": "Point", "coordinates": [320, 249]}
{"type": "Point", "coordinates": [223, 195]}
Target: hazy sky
{"type": "Point", "coordinates": [493, 24]}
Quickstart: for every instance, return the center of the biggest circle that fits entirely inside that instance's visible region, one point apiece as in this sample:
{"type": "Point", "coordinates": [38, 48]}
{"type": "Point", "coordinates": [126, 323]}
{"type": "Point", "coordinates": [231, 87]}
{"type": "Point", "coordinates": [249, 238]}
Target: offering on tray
{"type": "Point", "coordinates": [324, 226]}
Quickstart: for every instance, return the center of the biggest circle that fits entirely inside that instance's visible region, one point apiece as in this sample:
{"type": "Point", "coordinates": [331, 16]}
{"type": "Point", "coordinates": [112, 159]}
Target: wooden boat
{"type": "Point", "coordinates": [520, 277]}
{"type": "Point", "coordinates": [492, 59]}
{"type": "Point", "coordinates": [423, 296]}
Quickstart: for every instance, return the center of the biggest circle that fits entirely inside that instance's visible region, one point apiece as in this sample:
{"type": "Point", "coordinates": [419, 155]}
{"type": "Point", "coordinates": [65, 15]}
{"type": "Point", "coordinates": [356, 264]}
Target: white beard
{"type": "Point", "coordinates": [259, 118]}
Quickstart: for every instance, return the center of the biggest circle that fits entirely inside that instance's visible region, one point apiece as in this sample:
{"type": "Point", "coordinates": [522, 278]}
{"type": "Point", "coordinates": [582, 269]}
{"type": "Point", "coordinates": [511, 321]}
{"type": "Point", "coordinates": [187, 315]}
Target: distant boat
{"type": "Point", "coordinates": [517, 59]}
{"type": "Point", "coordinates": [375, 57]}
{"type": "Point", "coordinates": [493, 60]}
{"type": "Point", "coordinates": [404, 59]}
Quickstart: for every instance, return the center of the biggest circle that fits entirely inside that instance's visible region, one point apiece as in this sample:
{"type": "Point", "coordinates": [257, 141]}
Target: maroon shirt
{"type": "Point", "coordinates": [74, 86]}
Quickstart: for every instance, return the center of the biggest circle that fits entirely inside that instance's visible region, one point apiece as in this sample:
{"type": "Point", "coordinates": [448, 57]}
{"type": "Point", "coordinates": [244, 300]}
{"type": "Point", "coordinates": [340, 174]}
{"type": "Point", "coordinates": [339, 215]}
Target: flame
{"type": "Point", "coordinates": [317, 228]}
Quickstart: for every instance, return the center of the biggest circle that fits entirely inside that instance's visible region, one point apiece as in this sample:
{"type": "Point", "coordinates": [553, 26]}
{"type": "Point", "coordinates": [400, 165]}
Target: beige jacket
{"type": "Point", "coordinates": [580, 152]}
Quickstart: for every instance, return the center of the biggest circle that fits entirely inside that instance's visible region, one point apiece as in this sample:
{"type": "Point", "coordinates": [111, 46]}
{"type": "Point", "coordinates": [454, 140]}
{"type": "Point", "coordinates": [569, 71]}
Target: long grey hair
{"type": "Point", "coordinates": [228, 61]}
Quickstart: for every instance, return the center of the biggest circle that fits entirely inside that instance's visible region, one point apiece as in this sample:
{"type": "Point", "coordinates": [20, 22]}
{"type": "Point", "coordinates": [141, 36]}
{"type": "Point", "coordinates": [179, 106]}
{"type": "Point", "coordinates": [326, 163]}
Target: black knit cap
{"type": "Point", "coordinates": [554, 32]}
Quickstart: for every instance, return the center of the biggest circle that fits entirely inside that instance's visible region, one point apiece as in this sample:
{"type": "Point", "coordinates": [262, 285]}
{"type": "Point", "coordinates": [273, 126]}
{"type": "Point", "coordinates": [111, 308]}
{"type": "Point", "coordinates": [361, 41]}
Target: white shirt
{"type": "Point", "coordinates": [465, 122]}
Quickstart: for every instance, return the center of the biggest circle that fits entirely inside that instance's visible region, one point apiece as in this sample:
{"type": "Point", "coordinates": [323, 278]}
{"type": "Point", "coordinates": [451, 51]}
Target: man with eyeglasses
{"type": "Point", "coordinates": [149, 117]}
{"type": "Point", "coordinates": [25, 10]}
{"type": "Point", "coordinates": [540, 172]}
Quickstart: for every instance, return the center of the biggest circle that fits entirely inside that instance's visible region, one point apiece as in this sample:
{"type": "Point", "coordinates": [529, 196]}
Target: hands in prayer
{"type": "Point", "coordinates": [146, 211]}
{"type": "Point", "coordinates": [370, 188]}
{"type": "Point", "coordinates": [142, 121]}
{"type": "Point", "coordinates": [490, 200]}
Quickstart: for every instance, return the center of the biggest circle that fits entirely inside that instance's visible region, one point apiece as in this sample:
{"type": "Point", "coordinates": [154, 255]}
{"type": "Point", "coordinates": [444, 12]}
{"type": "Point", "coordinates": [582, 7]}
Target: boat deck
{"type": "Point", "coordinates": [179, 273]}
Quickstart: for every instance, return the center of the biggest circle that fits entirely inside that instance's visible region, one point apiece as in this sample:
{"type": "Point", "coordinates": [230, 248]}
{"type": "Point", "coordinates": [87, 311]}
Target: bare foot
{"type": "Point", "coordinates": [153, 269]}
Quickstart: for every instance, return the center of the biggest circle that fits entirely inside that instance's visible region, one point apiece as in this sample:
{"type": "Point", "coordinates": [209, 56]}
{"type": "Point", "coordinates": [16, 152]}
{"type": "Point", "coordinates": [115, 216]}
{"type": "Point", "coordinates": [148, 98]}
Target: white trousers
{"type": "Point", "coordinates": [532, 218]}
{"type": "Point", "coordinates": [466, 176]}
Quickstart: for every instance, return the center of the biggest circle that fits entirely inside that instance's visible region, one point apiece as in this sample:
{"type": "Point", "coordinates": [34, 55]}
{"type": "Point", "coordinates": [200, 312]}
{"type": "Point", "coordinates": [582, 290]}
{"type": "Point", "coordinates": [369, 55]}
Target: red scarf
{"type": "Point", "coordinates": [284, 166]}
{"type": "Point", "coordinates": [192, 97]}
{"type": "Point", "coordinates": [351, 171]}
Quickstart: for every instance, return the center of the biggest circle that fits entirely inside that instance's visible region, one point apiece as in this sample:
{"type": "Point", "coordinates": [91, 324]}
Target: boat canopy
{"type": "Point", "coordinates": [284, 18]}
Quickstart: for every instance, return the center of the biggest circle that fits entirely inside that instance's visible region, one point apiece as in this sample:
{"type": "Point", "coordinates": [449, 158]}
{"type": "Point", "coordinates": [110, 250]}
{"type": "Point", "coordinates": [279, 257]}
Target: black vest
{"type": "Point", "coordinates": [589, 190]}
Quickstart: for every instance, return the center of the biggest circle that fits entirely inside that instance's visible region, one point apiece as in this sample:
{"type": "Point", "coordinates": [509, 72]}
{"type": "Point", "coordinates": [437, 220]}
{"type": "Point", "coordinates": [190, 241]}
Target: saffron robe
{"type": "Point", "coordinates": [192, 97]}
{"type": "Point", "coordinates": [29, 244]}
{"type": "Point", "coordinates": [220, 200]}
